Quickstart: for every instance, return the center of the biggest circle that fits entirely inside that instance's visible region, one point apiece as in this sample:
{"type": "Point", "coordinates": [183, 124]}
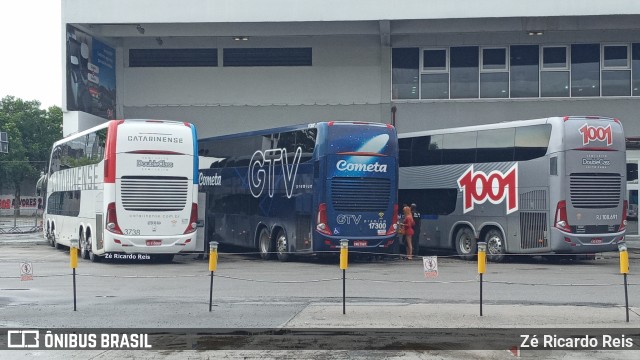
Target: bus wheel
{"type": "Point", "coordinates": [50, 237]}
{"type": "Point", "coordinates": [282, 246]}
{"type": "Point", "coordinates": [93, 257]}
{"type": "Point", "coordinates": [265, 244]}
{"type": "Point", "coordinates": [495, 246]}
{"type": "Point", "coordinates": [83, 247]}
{"type": "Point", "coordinates": [465, 243]}
{"type": "Point", "coordinates": [56, 244]}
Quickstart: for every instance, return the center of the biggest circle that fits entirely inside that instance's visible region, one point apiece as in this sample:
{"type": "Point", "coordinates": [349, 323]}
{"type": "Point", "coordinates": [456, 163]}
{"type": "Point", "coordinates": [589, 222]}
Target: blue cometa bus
{"type": "Point", "coordinates": [301, 189]}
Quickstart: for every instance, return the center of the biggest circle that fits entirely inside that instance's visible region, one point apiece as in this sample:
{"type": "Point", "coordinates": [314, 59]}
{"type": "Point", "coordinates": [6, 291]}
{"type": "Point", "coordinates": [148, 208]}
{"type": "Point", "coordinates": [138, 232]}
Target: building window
{"type": "Point", "coordinates": [494, 73]}
{"type": "Point", "coordinates": [616, 70]}
{"type": "Point", "coordinates": [435, 76]}
{"type": "Point", "coordinates": [267, 57]}
{"type": "Point", "coordinates": [554, 74]}
{"type": "Point", "coordinates": [464, 72]}
{"type": "Point", "coordinates": [635, 68]}
{"type": "Point", "coordinates": [405, 63]}
{"type": "Point", "coordinates": [524, 71]}
{"type": "Point", "coordinates": [585, 70]}
{"type": "Point", "coordinates": [200, 57]}
{"type": "Point", "coordinates": [517, 71]}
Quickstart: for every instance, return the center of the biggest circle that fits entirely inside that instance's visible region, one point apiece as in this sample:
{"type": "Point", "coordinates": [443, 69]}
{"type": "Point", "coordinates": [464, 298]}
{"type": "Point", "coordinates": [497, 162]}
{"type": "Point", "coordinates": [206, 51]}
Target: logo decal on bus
{"type": "Point", "coordinates": [596, 133]}
{"type": "Point", "coordinates": [258, 176]}
{"type": "Point", "coordinates": [212, 180]}
{"type": "Point", "coordinates": [478, 187]}
{"type": "Point", "coordinates": [343, 165]}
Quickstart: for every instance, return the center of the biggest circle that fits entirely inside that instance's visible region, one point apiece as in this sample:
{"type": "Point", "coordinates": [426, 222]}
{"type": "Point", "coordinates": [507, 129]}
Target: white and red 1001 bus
{"type": "Point", "coordinates": [552, 185]}
{"type": "Point", "coordinates": [124, 189]}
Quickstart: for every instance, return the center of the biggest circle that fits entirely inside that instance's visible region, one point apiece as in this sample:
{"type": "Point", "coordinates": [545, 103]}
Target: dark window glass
{"type": "Point", "coordinates": [494, 85]}
{"type": "Point", "coordinates": [434, 150]}
{"type": "Point", "coordinates": [494, 59]}
{"type": "Point", "coordinates": [404, 152]}
{"type": "Point", "coordinates": [616, 83]}
{"type": "Point", "coordinates": [435, 86]}
{"type": "Point", "coordinates": [405, 64]}
{"type": "Point", "coordinates": [554, 83]}
{"type": "Point", "coordinates": [585, 70]}
{"type": "Point", "coordinates": [65, 203]}
{"type": "Point", "coordinates": [632, 172]}
{"type": "Point", "coordinates": [532, 141]}
{"type": "Point", "coordinates": [635, 61]}
{"type": "Point", "coordinates": [426, 150]}
{"type": "Point", "coordinates": [554, 57]}
{"type": "Point", "coordinates": [435, 59]}
{"type": "Point", "coordinates": [524, 70]}
{"type": "Point", "coordinates": [495, 145]}
{"type": "Point", "coordinates": [430, 201]}
{"type": "Point", "coordinates": [616, 56]}
{"type": "Point", "coordinates": [173, 57]}
{"type": "Point", "coordinates": [459, 148]}
{"type": "Point", "coordinates": [292, 140]}
{"type": "Point", "coordinates": [553, 166]}
{"type": "Point", "coordinates": [464, 72]}
{"type": "Point", "coordinates": [267, 57]}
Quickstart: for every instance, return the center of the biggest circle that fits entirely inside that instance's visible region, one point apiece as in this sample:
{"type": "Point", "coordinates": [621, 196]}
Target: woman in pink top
{"type": "Point", "coordinates": [408, 224]}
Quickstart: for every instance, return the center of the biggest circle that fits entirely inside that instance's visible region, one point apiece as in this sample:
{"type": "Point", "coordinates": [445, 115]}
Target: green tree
{"type": "Point", "coordinates": [31, 131]}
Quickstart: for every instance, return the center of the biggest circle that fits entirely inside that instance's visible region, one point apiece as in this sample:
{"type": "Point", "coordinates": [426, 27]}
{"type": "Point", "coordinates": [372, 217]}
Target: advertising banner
{"type": "Point", "coordinates": [91, 75]}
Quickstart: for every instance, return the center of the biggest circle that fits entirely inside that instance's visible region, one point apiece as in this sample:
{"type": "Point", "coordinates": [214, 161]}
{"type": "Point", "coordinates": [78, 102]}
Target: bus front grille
{"type": "Point", "coordinates": [152, 193]}
{"type": "Point", "coordinates": [595, 190]}
{"type": "Point", "coordinates": [533, 230]}
{"type": "Point", "coordinates": [360, 194]}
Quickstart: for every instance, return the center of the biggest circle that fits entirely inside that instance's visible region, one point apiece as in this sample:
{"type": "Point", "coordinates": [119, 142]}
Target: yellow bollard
{"type": "Point", "coordinates": [624, 270]}
{"type": "Point", "coordinates": [482, 257]}
{"type": "Point", "coordinates": [213, 265]}
{"type": "Point", "coordinates": [482, 266]}
{"type": "Point", "coordinates": [344, 263]}
{"type": "Point", "coordinates": [213, 255]}
{"type": "Point", "coordinates": [73, 262]}
{"type": "Point", "coordinates": [344, 254]}
{"type": "Point", "coordinates": [624, 259]}
{"type": "Point", "coordinates": [74, 257]}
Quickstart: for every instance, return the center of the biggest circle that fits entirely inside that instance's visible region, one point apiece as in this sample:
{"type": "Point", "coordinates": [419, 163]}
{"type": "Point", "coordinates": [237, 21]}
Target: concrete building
{"type": "Point", "coordinates": [231, 66]}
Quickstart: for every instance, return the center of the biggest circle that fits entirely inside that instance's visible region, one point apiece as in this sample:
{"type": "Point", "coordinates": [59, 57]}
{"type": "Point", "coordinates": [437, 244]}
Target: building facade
{"type": "Point", "coordinates": [231, 66]}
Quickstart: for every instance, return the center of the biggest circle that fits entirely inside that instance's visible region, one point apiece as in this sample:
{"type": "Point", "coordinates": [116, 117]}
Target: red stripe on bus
{"type": "Point", "coordinates": [110, 152]}
{"type": "Point", "coordinates": [156, 152]}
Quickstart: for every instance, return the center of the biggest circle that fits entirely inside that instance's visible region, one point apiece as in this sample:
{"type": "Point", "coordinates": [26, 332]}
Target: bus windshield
{"type": "Point", "coordinates": [352, 138]}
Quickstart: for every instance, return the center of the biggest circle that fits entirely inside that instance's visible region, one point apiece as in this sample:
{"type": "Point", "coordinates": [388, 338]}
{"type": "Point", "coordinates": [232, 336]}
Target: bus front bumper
{"type": "Point", "coordinates": [149, 244]}
{"type": "Point", "coordinates": [569, 243]}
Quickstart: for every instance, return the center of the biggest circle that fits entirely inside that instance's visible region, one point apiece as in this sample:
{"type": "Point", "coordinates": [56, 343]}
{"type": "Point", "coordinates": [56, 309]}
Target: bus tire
{"type": "Point", "coordinates": [282, 246]}
{"type": "Point", "coordinates": [84, 254]}
{"type": "Point", "coordinates": [265, 245]}
{"type": "Point", "coordinates": [93, 257]}
{"type": "Point", "coordinates": [50, 237]}
{"type": "Point", "coordinates": [465, 243]}
{"type": "Point", "coordinates": [495, 246]}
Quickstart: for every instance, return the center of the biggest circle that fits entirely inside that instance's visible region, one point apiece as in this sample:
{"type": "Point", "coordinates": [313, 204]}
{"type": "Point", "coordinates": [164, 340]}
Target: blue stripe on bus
{"type": "Point", "coordinates": [195, 154]}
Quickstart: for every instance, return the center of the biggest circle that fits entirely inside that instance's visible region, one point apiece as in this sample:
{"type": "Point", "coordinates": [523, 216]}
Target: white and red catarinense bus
{"type": "Point", "coordinates": [124, 189]}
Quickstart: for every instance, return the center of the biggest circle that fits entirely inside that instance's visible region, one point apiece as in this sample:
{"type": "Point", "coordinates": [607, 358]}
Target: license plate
{"type": "Point", "coordinates": [360, 243]}
{"type": "Point", "coordinates": [154, 242]}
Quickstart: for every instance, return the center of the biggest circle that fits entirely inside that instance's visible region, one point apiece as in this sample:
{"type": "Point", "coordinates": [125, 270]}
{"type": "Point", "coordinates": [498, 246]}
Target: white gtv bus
{"type": "Point", "coordinates": [125, 189]}
{"type": "Point", "coordinates": [553, 185]}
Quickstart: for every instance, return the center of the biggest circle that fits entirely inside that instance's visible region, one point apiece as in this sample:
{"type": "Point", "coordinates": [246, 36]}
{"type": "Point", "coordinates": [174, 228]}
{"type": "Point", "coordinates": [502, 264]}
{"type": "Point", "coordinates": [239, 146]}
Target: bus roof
{"type": "Point", "coordinates": [289, 128]}
{"type": "Point", "coordinates": [503, 125]}
{"type": "Point", "coordinates": [106, 124]}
